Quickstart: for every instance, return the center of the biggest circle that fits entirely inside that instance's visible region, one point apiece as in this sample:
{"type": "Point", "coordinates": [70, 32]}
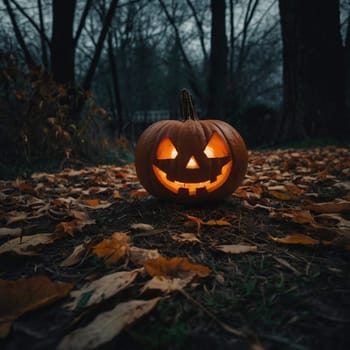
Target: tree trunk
{"type": "Point", "coordinates": [347, 69]}
{"type": "Point", "coordinates": [119, 121]}
{"type": "Point", "coordinates": [42, 35]}
{"type": "Point", "coordinates": [313, 69]}
{"type": "Point", "coordinates": [62, 43]}
{"type": "Point", "coordinates": [218, 61]}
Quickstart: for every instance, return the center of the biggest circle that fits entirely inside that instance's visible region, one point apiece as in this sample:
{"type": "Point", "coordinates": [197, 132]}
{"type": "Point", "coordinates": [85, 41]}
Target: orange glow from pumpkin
{"type": "Point", "coordinates": [216, 147]}
{"type": "Point", "coordinates": [166, 149]}
{"type": "Point", "coordinates": [192, 187]}
{"type": "Point", "coordinates": [192, 163]}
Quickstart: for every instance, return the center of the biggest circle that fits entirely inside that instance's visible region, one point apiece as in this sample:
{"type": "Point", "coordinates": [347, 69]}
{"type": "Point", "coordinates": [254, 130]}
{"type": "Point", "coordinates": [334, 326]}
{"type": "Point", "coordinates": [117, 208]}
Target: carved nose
{"type": "Point", "coordinates": [192, 163]}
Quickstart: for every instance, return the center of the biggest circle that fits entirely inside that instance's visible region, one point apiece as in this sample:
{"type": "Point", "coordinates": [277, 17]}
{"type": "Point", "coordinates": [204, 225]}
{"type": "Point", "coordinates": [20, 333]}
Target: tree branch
{"type": "Point", "coordinates": [82, 21]}
{"type": "Point", "coordinates": [42, 35]}
{"type": "Point", "coordinates": [106, 24]}
{"type": "Point", "coordinates": [30, 20]}
{"type": "Point", "coordinates": [247, 20]}
{"type": "Point", "coordinates": [192, 76]}
{"type": "Point", "coordinates": [200, 31]}
{"type": "Point", "coordinates": [28, 57]}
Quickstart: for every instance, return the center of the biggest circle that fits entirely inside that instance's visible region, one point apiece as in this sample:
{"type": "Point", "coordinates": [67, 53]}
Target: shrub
{"type": "Point", "coordinates": [43, 121]}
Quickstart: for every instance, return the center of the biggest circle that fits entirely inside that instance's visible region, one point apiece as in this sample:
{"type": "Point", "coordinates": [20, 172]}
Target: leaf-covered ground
{"type": "Point", "coordinates": [89, 260]}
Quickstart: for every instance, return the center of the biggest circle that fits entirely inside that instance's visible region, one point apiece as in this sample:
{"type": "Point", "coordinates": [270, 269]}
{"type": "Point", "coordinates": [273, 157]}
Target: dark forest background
{"type": "Point", "coordinates": [80, 79]}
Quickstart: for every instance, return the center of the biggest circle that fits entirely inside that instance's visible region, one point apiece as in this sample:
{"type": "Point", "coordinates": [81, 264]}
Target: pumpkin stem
{"type": "Point", "coordinates": [187, 109]}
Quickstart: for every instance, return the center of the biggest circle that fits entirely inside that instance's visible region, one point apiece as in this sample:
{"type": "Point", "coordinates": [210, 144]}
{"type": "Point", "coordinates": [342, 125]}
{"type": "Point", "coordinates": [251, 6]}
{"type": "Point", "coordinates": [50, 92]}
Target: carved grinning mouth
{"type": "Point", "coordinates": [192, 187]}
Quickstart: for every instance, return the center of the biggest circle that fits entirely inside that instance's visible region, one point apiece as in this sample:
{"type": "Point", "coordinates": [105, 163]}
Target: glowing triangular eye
{"type": "Point", "coordinates": [216, 147]}
{"type": "Point", "coordinates": [166, 149]}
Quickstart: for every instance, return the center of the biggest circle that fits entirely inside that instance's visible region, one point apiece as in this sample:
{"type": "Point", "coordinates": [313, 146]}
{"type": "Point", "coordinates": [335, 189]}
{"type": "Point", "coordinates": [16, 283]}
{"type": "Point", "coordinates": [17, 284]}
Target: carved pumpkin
{"type": "Point", "coordinates": [191, 160]}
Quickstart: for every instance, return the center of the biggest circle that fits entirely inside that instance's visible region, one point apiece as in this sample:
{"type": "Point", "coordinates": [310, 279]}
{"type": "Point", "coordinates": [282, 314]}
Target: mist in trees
{"type": "Point", "coordinates": [277, 70]}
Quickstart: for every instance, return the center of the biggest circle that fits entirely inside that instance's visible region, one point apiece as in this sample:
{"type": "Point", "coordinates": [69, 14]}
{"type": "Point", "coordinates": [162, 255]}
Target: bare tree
{"type": "Point", "coordinates": [62, 42]}
{"type": "Point", "coordinates": [347, 68]}
{"type": "Point", "coordinates": [313, 69]}
{"type": "Point", "coordinates": [218, 60]}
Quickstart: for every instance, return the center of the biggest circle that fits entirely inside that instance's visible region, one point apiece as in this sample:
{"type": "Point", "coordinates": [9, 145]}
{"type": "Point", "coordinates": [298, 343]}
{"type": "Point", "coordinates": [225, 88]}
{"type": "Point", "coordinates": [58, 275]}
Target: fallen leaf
{"type": "Point", "coordinates": [332, 219]}
{"type": "Point", "coordinates": [284, 196]}
{"type": "Point", "coordinates": [217, 223]}
{"type": "Point", "coordinates": [117, 195]}
{"type": "Point", "coordinates": [23, 186]}
{"type": "Point", "coordinates": [185, 237]}
{"type": "Point", "coordinates": [247, 192]}
{"type": "Point", "coordinates": [79, 252]}
{"type": "Point", "coordinates": [140, 255]}
{"type": "Point", "coordinates": [112, 249]}
{"type": "Point", "coordinates": [294, 189]}
{"type": "Point", "coordinates": [166, 284]}
{"type": "Point", "coordinates": [94, 189]}
{"type": "Point", "coordinates": [141, 227]}
{"type": "Point", "coordinates": [296, 215]}
{"type": "Point", "coordinates": [6, 231]}
{"type": "Point", "coordinates": [199, 221]}
{"type": "Point", "coordinates": [107, 325]}
{"type": "Point", "coordinates": [236, 248]}
{"type": "Point", "coordinates": [96, 204]}
{"type": "Point", "coordinates": [27, 245]}
{"type": "Point", "coordinates": [175, 267]}
{"type": "Point", "coordinates": [343, 185]}
{"type": "Point", "coordinates": [71, 227]}
{"type": "Point", "coordinates": [20, 296]}
{"type": "Point", "coordinates": [15, 216]}
{"type": "Point", "coordinates": [298, 238]}
{"type": "Point", "coordinates": [139, 194]}
{"type": "Point", "coordinates": [249, 206]}
{"type": "Point", "coordinates": [91, 202]}
{"type": "Point", "coordinates": [79, 215]}
{"type": "Point", "coordinates": [329, 207]}
{"type": "Point", "coordinates": [66, 227]}
{"type": "Point", "coordinates": [101, 289]}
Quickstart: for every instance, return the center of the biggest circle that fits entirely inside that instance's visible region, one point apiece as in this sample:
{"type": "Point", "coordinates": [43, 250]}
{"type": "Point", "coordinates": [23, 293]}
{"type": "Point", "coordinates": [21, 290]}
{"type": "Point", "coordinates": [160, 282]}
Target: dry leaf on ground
{"type": "Point", "coordinates": [27, 245]}
{"type": "Point", "coordinates": [220, 222]}
{"type": "Point", "coordinates": [295, 215]}
{"type": "Point", "coordinates": [71, 227]}
{"type": "Point", "coordinates": [79, 252]}
{"type": "Point", "coordinates": [140, 255]}
{"type": "Point", "coordinates": [284, 196]}
{"type": "Point", "coordinates": [185, 237]}
{"type": "Point", "coordinates": [175, 267]}
{"type": "Point", "coordinates": [112, 249]}
{"type": "Point", "coordinates": [298, 238]}
{"type": "Point", "coordinates": [18, 297]}
{"type": "Point", "coordinates": [329, 207]}
{"type": "Point", "coordinates": [102, 289]}
{"type": "Point", "coordinates": [141, 227]}
{"type": "Point", "coordinates": [91, 202]}
{"type": "Point", "coordinates": [15, 216]}
{"type": "Point", "coordinates": [6, 231]}
{"type": "Point", "coordinates": [96, 204]}
{"type": "Point", "coordinates": [107, 325]}
{"type": "Point", "coordinates": [236, 248]}
{"type": "Point", "coordinates": [166, 284]}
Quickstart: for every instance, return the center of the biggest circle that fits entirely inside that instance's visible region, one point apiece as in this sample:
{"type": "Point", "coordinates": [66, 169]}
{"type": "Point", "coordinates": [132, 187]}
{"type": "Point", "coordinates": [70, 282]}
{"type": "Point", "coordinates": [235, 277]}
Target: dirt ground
{"type": "Point", "coordinates": [283, 294]}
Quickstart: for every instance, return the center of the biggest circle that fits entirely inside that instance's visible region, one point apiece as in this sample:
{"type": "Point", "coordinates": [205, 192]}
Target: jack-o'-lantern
{"type": "Point", "coordinates": [190, 160]}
